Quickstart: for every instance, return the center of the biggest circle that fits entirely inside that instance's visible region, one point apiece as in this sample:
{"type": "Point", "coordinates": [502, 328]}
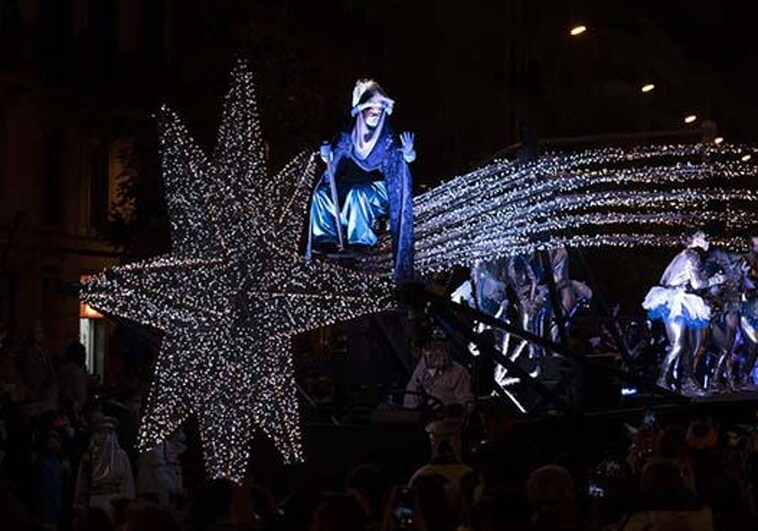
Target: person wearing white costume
{"type": "Point", "coordinates": [685, 314]}
{"type": "Point", "coordinates": [160, 470]}
{"type": "Point", "coordinates": [105, 473]}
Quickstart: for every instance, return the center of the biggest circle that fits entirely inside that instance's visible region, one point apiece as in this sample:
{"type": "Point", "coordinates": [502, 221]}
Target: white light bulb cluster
{"type": "Point", "coordinates": [233, 291]}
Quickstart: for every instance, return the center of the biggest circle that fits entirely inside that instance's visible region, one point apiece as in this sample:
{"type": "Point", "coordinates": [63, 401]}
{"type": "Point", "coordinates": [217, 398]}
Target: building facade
{"type": "Point", "coordinates": [71, 73]}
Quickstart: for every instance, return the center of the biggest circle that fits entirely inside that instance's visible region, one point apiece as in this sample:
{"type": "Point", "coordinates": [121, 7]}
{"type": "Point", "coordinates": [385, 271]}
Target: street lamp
{"type": "Point", "coordinates": [690, 119]}
{"type": "Point", "coordinates": [578, 30]}
{"type": "Point", "coordinates": [648, 88]}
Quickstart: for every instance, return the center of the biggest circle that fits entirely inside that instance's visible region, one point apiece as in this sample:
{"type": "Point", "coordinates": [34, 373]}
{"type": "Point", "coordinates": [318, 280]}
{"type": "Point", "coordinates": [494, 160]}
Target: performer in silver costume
{"type": "Point", "coordinates": [685, 314]}
{"type": "Point", "coordinates": [524, 282]}
{"type": "Point", "coordinates": [726, 304]}
{"type": "Point", "coordinates": [489, 286]}
{"type": "Point", "coordinates": [571, 292]}
{"type": "Point", "coordinates": [749, 311]}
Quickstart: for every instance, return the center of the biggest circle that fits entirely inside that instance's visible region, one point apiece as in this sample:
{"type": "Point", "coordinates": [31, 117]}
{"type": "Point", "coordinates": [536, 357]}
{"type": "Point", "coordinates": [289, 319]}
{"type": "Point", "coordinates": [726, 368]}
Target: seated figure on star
{"type": "Point", "coordinates": [366, 185]}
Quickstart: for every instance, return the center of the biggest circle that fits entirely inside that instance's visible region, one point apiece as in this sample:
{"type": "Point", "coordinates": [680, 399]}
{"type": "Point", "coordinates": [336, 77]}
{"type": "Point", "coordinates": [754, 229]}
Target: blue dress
{"type": "Point", "coordinates": [367, 189]}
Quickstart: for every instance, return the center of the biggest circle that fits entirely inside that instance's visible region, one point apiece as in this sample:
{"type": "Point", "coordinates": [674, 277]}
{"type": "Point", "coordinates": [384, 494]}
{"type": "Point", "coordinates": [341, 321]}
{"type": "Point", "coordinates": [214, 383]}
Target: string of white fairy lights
{"type": "Point", "coordinates": [601, 197]}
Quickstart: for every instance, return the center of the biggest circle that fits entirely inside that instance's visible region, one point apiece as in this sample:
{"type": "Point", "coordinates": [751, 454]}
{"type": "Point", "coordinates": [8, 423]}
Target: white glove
{"type": "Point", "coordinates": [717, 279]}
{"type": "Point", "coordinates": [326, 152]}
{"type": "Point", "coordinates": [406, 139]}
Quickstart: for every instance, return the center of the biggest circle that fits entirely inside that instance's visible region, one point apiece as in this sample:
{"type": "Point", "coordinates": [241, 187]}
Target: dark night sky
{"type": "Point", "coordinates": [721, 34]}
{"type": "Point", "coordinates": [445, 64]}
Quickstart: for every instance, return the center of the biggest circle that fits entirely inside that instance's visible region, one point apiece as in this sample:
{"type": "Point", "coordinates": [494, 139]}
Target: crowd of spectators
{"type": "Point", "coordinates": [68, 460]}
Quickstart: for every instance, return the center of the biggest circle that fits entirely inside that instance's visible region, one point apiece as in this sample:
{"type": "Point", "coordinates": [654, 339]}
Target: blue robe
{"type": "Point", "coordinates": [379, 185]}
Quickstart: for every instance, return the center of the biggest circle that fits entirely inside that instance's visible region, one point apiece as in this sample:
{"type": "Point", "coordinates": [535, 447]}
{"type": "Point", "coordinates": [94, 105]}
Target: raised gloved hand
{"type": "Point", "coordinates": [326, 152]}
{"type": "Point", "coordinates": [406, 140]}
{"type": "Point", "coordinates": [717, 279]}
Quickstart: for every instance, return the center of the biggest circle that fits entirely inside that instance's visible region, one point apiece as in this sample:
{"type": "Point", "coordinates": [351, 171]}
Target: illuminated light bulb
{"type": "Point", "coordinates": [746, 158]}
{"type": "Point", "coordinates": [718, 140]}
{"type": "Point", "coordinates": [690, 119]}
{"type": "Point", "coordinates": [648, 88]}
{"type": "Point", "coordinates": [578, 30]}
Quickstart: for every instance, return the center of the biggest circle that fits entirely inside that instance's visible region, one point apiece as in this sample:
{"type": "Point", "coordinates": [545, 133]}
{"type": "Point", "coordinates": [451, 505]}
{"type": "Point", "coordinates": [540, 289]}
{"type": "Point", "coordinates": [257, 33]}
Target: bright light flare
{"type": "Point", "coordinates": [578, 30]}
{"type": "Point", "coordinates": [690, 119]}
{"type": "Point", "coordinates": [648, 88]}
{"type": "Point", "coordinates": [746, 158]}
{"type": "Point", "coordinates": [718, 140]}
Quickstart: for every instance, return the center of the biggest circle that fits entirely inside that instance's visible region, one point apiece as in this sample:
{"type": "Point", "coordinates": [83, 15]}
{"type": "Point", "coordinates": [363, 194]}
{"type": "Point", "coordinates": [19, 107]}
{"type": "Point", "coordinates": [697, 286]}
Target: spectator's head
{"type": "Point", "coordinates": [297, 509]}
{"type": "Point", "coordinates": [752, 468]}
{"type": "Point", "coordinates": [339, 512]}
{"type": "Point", "coordinates": [8, 347]}
{"type": "Point", "coordinates": [38, 334]}
{"type": "Point", "coordinates": [550, 491]}
{"type": "Point", "coordinates": [672, 443]}
{"type": "Point", "coordinates": [578, 468]}
{"type": "Point", "coordinates": [436, 355]}
{"type": "Point", "coordinates": [447, 431]}
{"type": "Point", "coordinates": [104, 431]}
{"type": "Point", "coordinates": [444, 449]}
{"type": "Point", "coordinates": [661, 475]}
{"type": "Point", "coordinates": [263, 508]}
{"type": "Point", "coordinates": [213, 503]}
{"type": "Point", "coordinates": [497, 419]}
{"type": "Point", "coordinates": [501, 509]}
{"type": "Point", "coordinates": [52, 443]}
{"type": "Point", "coordinates": [370, 487]}
{"type": "Point", "coordinates": [702, 435]}
{"type": "Point", "coordinates": [76, 353]}
{"type": "Point", "coordinates": [146, 516]}
{"type": "Point", "coordinates": [432, 491]}
{"type": "Point", "coordinates": [93, 519]}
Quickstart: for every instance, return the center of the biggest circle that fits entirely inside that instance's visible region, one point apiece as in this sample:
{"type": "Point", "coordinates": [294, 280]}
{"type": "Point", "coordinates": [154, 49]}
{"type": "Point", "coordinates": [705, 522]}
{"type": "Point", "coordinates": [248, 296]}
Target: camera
{"type": "Point", "coordinates": [404, 508]}
{"type": "Point", "coordinates": [595, 490]}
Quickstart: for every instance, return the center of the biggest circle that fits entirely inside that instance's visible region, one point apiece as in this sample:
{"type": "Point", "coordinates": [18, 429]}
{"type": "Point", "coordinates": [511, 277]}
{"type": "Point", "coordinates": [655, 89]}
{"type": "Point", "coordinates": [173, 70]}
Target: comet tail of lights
{"type": "Point", "coordinates": [606, 197]}
{"type": "Point", "coordinates": [233, 291]}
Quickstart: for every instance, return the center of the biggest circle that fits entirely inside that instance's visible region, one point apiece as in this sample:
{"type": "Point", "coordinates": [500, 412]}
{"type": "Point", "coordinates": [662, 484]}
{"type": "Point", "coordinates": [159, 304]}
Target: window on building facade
{"type": "Point", "coordinates": [99, 176]}
{"type": "Point", "coordinates": [10, 31]}
{"type": "Point", "coordinates": [52, 151]}
{"type": "Point", "coordinates": [151, 29]}
{"type": "Point", "coordinates": [102, 27]}
{"type": "Point", "coordinates": [55, 34]}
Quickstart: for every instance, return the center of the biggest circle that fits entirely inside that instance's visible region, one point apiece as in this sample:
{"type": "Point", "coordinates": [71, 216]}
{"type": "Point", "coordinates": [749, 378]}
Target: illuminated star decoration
{"type": "Point", "coordinates": [233, 291]}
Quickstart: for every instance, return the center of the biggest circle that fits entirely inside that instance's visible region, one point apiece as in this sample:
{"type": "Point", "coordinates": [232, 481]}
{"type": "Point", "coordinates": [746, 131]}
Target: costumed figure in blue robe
{"type": "Point", "coordinates": [685, 314]}
{"type": "Point", "coordinates": [367, 184]}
